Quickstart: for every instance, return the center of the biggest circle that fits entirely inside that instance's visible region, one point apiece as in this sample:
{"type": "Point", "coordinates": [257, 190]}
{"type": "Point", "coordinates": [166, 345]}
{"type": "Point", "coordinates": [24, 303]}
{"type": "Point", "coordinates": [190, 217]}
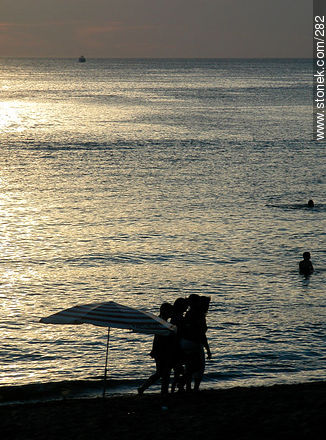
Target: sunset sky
{"type": "Point", "coordinates": [156, 28]}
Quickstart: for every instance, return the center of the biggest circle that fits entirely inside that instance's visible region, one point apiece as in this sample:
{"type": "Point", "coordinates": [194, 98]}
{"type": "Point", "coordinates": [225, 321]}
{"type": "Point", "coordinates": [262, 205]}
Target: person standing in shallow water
{"type": "Point", "coordinates": [305, 266]}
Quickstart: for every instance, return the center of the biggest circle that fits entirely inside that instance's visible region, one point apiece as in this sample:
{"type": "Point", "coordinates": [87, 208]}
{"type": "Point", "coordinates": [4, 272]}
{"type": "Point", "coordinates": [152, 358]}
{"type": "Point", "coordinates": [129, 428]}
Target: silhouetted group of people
{"type": "Point", "coordinates": [184, 351]}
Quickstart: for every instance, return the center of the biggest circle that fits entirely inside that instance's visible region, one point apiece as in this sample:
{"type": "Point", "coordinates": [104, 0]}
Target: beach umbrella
{"type": "Point", "coordinates": [111, 314]}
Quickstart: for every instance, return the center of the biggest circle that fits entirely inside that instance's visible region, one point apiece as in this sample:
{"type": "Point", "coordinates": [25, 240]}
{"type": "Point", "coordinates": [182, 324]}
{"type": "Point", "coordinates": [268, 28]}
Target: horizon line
{"type": "Point", "coordinates": [157, 58]}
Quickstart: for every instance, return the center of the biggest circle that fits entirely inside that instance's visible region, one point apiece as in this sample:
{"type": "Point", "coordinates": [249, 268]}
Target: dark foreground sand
{"type": "Point", "coordinates": [277, 412]}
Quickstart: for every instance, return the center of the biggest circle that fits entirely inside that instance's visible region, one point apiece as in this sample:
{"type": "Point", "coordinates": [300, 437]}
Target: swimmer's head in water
{"type": "Point", "coordinates": [311, 203]}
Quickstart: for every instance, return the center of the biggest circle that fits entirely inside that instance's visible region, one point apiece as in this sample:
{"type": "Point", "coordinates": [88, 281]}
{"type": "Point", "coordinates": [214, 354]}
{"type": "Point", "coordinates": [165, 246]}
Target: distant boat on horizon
{"type": "Point", "coordinates": [82, 59]}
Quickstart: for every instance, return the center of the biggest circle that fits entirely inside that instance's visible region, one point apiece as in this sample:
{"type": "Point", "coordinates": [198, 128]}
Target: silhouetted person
{"type": "Point", "coordinates": [164, 353]}
{"type": "Point", "coordinates": [193, 340]}
{"type": "Point", "coordinates": [311, 203]}
{"type": "Point", "coordinates": [179, 308]}
{"type": "Point", "coordinates": [305, 266]}
{"type": "Point", "coordinates": [204, 305]}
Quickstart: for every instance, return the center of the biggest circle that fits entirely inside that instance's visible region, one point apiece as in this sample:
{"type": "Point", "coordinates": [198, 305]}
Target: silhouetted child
{"type": "Point", "coordinates": [164, 353]}
{"type": "Point", "coordinates": [305, 266]}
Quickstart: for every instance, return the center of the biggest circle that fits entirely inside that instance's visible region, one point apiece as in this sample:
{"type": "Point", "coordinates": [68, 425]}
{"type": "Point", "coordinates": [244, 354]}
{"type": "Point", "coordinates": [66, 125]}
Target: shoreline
{"type": "Point", "coordinates": [52, 391]}
{"type": "Point", "coordinates": [288, 411]}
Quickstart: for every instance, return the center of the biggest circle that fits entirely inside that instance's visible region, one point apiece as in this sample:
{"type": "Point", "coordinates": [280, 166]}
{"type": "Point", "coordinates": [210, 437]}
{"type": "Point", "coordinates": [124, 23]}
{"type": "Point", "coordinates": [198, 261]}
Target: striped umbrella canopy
{"type": "Point", "coordinates": [111, 314]}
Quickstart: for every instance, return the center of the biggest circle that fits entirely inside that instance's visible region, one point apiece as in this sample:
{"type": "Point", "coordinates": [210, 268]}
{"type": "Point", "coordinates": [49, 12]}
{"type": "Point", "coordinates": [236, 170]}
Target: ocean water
{"type": "Point", "coordinates": [141, 181]}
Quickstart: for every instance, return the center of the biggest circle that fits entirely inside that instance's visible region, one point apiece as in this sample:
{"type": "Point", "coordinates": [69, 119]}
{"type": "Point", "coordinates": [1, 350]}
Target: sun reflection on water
{"type": "Point", "coordinates": [111, 190]}
{"type": "Point", "coordinates": [10, 118]}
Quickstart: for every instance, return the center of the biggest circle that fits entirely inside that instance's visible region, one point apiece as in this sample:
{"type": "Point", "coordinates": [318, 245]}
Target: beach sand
{"type": "Point", "coordinates": [279, 411]}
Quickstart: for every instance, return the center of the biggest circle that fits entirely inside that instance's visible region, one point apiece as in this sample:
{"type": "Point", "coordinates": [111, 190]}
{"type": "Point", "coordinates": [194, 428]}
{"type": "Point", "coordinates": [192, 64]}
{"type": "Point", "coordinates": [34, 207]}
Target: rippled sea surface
{"type": "Point", "coordinates": [140, 181]}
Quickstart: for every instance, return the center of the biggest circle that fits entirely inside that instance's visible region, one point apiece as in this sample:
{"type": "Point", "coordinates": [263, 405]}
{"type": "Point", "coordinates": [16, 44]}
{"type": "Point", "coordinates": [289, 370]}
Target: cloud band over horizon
{"type": "Point", "coordinates": [143, 28]}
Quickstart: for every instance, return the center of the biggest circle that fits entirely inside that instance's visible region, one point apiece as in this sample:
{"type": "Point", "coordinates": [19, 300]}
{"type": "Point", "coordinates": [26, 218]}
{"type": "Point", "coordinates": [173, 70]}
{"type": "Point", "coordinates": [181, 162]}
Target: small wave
{"type": "Point", "coordinates": [79, 144]}
{"type": "Point", "coordinates": [299, 206]}
{"type": "Point", "coordinates": [98, 260]}
{"type": "Point", "coordinates": [70, 146]}
{"type": "Point", "coordinates": [64, 389]}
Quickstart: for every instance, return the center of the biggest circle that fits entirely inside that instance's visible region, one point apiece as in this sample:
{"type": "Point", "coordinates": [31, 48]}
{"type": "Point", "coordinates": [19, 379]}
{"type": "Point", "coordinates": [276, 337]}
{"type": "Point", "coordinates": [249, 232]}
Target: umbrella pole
{"type": "Point", "coordinates": [106, 362]}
